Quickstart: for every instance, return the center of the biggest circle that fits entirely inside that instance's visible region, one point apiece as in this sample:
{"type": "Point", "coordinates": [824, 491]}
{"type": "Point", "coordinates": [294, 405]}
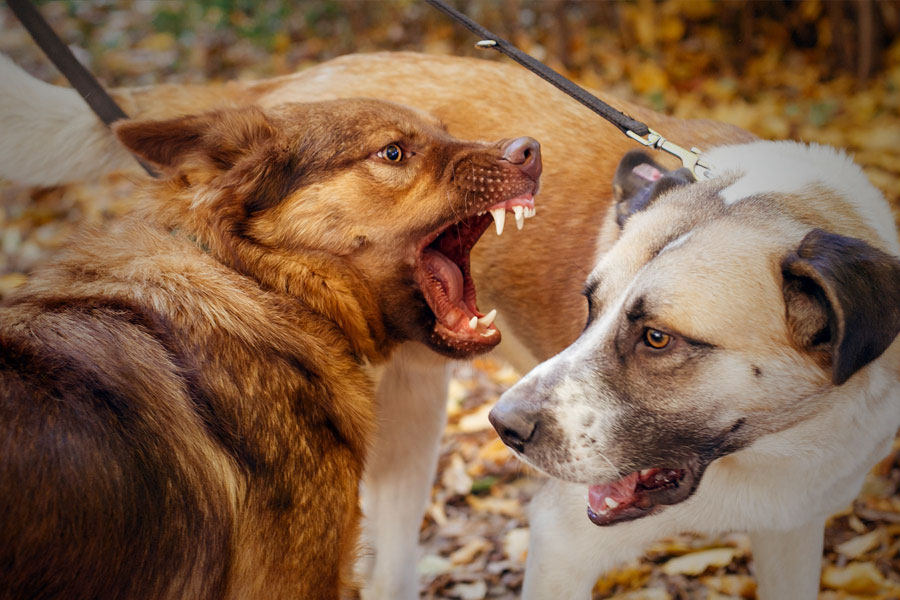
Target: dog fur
{"type": "Point", "coordinates": [534, 280]}
{"type": "Point", "coordinates": [776, 287]}
{"type": "Point", "coordinates": [188, 396]}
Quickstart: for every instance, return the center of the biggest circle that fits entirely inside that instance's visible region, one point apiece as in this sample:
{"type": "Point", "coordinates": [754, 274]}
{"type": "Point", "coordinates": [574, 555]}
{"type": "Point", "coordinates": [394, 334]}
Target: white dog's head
{"type": "Point", "coordinates": [726, 311]}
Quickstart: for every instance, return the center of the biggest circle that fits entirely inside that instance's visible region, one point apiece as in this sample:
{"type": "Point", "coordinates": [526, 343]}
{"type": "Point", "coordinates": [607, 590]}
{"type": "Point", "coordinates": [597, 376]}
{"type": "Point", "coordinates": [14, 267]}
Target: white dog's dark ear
{"type": "Point", "coordinates": [639, 180]}
{"type": "Point", "coordinates": [842, 297]}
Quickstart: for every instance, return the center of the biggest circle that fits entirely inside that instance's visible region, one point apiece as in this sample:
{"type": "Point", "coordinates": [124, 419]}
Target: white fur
{"type": "Point", "coordinates": [400, 468]}
{"type": "Point", "coordinates": [790, 167]}
{"type": "Point", "coordinates": [50, 136]}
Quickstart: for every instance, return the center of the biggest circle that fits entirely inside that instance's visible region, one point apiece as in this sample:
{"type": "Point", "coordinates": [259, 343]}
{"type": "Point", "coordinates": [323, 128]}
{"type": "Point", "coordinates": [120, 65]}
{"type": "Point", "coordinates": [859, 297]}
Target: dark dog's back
{"type": "Point", "coordinates": [148, 451]}
{"type": "Point", "coordinates": [96, 426]}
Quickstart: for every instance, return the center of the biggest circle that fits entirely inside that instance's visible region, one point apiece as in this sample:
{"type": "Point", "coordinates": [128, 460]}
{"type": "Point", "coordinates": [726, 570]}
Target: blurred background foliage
{"type": "Point", "coordinates": [816, 70]}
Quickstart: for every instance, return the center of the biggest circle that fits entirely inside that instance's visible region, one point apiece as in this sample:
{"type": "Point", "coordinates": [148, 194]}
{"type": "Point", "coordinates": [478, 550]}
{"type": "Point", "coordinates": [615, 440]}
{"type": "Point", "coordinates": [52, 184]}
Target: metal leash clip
{"type": "Point", "coordinates": [689, 158]}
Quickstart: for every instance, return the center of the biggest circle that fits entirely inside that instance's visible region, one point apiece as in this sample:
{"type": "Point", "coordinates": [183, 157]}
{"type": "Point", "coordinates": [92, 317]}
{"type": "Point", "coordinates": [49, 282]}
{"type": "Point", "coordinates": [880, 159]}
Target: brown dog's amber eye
{"type": "Point", "coordinates": [656, 338]}
{"type": "Point", "coordinates": [392, 153]}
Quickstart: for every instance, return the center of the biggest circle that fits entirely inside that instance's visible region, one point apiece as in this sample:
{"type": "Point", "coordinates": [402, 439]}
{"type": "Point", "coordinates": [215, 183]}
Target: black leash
{"type": "Point", "coordinates": [627, 125]}
{"type": "Point", "coordinates": [63, 59]}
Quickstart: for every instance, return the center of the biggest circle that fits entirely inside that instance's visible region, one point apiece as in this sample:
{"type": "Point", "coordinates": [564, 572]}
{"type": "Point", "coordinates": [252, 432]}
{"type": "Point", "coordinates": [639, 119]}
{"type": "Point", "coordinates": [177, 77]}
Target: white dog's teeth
{"type": "Point", "coordinates": [473, 322]}
{"type": "Point", "coordinates": [499, 218]}
{"type": "Point", "coordinates": [487, 319]}
{"type": "Point", "coordinates": [645, 472]}
{"type": "Point", "coordinates": [529, 212]}
{"type": "Point", "coordinates": [610, 502]}
{"type": "Point", "coordinates": [520, 216]}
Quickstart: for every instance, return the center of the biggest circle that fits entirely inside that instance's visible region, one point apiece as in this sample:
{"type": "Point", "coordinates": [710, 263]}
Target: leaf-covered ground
{"type": "Point", "coordinates": [809, 70]}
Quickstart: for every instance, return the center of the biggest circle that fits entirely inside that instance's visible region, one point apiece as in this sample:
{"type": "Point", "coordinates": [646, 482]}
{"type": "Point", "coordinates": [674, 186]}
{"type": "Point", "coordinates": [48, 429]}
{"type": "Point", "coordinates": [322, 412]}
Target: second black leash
{"type": "Point", "coordinates": [633, 128]}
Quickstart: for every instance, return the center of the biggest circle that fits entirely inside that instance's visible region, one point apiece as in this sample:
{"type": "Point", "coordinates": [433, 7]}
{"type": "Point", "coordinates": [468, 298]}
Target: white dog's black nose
{"type": "Point", "coordinates": [516, 424]}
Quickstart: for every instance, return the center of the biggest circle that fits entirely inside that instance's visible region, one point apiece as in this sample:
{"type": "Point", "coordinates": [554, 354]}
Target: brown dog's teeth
{"type": "Point", "coordinates": [520, 216]}
{"type": "Point", "coordinates": [487, 319]}
{"type": "Point", "coordinates": [499, 218]}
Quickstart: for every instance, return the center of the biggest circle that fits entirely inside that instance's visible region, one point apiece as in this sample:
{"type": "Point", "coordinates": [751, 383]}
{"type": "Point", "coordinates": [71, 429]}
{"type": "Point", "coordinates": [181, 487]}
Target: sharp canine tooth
{"type": "Point", "coordinates": [473, 322]}
{"type": "Point", "coordinates": [520, 216]}
{"type": "Point", "coordinates": [499, 218]}
{"type": "Point", "coordinates": [487, 319]}
{"type": "Point", "coordinates": [610, 502]}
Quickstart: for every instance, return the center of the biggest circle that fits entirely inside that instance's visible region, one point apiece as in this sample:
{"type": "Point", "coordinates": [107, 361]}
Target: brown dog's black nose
{"type": "Point", "coordinates": [525, 153]}
{"type": "Point", "coordinates": [516, 424]}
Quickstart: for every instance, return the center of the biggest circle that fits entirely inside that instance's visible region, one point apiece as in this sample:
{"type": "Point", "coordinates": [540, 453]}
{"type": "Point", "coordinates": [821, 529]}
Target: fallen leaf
{"type": "Point", "coordinates": [742, 586]}
{"type": "Point", "coordinates": [630, 577]}
{"type": "Point", "coordinates": [469, 591]}
{"type": "Point", "coordinates": [454, 478]}
{"type": "Point", "coordinates": [515, 544]}
{"type": "Point", "coordinates": [648, 594]}
{"type": "Point", "coordinates": [476, 421]}
{"type": "Point", "coordinates": [510, 507]}
{"type": "Point", "coordinates": [859, 545]}
{"type": "Point", "coordinates": [431, 565]}
{"type": "Point", "coordinates": [857, 578]}
{"type": "Point", "coordinates": [696, 563]}
{"type": "Point", "coordinates": [469, 551]}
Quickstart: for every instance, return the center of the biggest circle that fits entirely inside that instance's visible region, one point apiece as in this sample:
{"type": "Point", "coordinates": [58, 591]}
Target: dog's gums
{"type": "Point", "coordinates": [444, 276]}
{"type": "Point", "coordinates": [638, 494]}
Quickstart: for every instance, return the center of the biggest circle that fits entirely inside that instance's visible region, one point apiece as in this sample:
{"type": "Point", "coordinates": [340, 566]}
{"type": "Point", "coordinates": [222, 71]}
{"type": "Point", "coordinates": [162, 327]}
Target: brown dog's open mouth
{"type": "Point", "coordinates": [639, 494]}
{"type": "Point", "coordinates": [443, 274]}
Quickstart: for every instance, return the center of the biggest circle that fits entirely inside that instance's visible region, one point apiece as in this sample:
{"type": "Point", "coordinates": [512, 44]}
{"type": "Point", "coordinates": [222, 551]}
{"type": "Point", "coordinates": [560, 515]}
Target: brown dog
{"type": "Point", "coordinates": [187, 398]}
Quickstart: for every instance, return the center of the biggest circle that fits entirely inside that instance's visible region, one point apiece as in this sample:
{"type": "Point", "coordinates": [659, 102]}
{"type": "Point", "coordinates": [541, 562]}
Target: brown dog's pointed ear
{"type": "Point", "coordinates": [639, 180]}
{"type": "Point", "coordinates": [842, 299]}
{"type": "Point", "coordinates": [221, 137]}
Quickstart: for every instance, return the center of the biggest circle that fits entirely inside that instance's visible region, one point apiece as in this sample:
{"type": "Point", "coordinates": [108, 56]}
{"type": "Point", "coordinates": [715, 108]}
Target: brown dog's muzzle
{"type": "Point", "coordinates": [490, 181]}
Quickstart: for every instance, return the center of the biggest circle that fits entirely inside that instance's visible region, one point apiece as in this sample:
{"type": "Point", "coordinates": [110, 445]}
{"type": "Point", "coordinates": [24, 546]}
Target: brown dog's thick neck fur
{"type": "Point", "coordinates": [185, 397]}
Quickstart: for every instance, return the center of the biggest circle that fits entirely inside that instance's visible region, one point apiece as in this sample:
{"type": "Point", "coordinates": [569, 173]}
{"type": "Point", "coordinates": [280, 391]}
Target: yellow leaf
{"type": "Point", "coordinates": [515, 544]}
{"type": "Point", "coordinates": [468, 552]}
{"type": "Point", "coordinates": [476, 421]}
{"type": "Point", "coordinates": [648, 594]}
{"type": "Point", "coordinates": [495, 452]}
{"type": "Point", "coordinates": [454, 478]}
{"type": "Point", "coordinates": [648, 77]}
{"type": "Point", "coordinates": [857, 577]}
{"type": "Point", "coordinates": [696, 563]}
{"type": "Point", "coordinates": [743, 586]}
{"type": "Point", "coordinates": [859, 545]}
{"type": "Point", "coordinates": [631, 577]}
{"type": "Point", "coordinates": [509, 507]}
{"type": "Point", "coordinates": [159, 42]}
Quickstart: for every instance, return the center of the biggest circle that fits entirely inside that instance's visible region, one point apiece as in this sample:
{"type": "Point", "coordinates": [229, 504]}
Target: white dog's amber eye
{"type": "Point", "coordinates": [392, 153]}
{"type": "Point", "coordinates": [656, 338]}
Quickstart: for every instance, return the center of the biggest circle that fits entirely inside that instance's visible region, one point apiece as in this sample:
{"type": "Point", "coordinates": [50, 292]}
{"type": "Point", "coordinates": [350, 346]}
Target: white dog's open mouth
{"type": "Point", "coordinates": [641, 493]}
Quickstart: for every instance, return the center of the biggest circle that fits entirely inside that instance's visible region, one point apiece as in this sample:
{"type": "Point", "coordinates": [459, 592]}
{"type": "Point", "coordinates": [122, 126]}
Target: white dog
{"type": "Point", "coordinates": [738, 370]}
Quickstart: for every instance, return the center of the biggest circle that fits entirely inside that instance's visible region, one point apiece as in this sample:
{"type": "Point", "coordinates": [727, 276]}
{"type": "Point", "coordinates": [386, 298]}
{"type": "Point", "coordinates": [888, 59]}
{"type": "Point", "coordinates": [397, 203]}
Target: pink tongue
{"type": "Point", "coordinates": [446, 271]}
{"type": "Point", "coordinates": [622, 491]}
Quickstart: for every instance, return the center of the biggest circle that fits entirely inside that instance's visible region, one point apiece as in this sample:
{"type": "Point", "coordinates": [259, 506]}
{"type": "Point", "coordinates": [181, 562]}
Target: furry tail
{"type": "Point", "coordinates": [50, 135]}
